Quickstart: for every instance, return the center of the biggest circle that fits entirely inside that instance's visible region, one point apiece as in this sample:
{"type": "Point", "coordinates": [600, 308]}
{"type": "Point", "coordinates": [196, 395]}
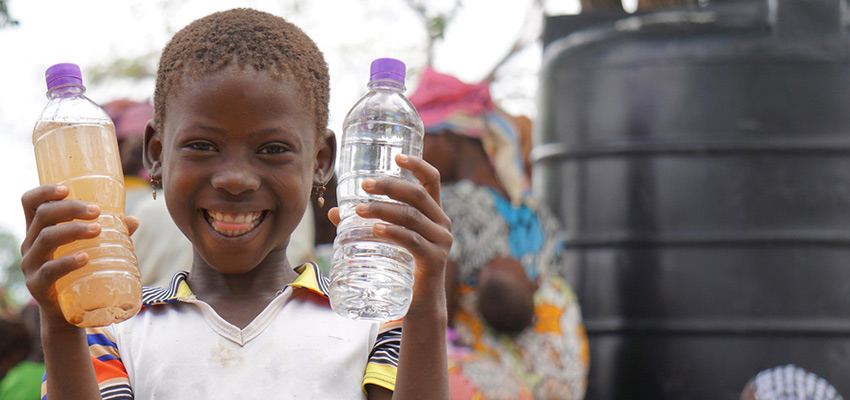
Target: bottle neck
{"type": "Point", "coordinates": [386, 84]}
{"type": "Point", "coordinates": [66, 91]}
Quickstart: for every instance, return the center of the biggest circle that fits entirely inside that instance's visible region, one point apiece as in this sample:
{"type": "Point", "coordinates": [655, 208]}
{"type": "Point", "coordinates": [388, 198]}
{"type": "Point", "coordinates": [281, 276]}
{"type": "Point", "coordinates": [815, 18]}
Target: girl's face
{"type": "Point", "coordinates": [238, 160]}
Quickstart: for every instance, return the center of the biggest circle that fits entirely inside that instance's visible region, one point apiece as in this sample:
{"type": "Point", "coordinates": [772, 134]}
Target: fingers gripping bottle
{"type": "Point", "coordinates": [75, 146]}
{"type": "Point", "coordinates": [371, 278]}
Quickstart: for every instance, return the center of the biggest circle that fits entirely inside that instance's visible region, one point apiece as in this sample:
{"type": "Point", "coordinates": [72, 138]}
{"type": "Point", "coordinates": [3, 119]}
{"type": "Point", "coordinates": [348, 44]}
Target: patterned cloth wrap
{"type": "Point", "coordinates": [549, 359]}
{"type": "Point", "coordinates": [790, 382]}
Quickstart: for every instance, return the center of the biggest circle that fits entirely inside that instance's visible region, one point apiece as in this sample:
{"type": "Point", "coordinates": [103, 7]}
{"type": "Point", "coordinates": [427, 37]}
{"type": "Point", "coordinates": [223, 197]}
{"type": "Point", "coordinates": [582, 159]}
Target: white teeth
{"type": "Point", "coordinates": [217, 218]}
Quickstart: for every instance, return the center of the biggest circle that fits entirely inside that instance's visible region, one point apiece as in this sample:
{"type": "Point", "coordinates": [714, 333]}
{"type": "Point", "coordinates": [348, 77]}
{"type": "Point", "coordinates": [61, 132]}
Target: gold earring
{"type": "Point", "coordinates": [155, 183]}
{"type": "Point", "coordinates": [320, 193]}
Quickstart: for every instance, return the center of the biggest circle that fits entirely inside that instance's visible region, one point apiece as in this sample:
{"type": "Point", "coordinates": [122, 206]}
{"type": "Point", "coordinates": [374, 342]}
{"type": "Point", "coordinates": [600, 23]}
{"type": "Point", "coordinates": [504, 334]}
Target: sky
{"type": "Point", "coordinates": [351, 33]}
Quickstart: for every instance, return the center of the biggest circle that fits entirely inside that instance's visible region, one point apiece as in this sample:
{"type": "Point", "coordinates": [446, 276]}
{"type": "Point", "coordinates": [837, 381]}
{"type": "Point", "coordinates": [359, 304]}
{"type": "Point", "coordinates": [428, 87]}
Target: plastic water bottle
{"type": "Point", "coordinates": [75, 146]}
{"type": "Point", "coordinates": [371, 278]}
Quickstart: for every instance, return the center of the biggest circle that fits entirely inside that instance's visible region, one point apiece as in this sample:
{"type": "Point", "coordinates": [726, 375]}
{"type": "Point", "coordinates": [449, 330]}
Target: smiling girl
{"type": "Point", "coordinates": [238, 142]}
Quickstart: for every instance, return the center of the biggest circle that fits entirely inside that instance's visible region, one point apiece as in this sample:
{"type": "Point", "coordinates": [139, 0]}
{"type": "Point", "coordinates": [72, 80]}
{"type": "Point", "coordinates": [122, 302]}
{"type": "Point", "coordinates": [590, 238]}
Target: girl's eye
{"type": "Point", "coordinates": [202, 146]}
{"type": "Point", "coordinates": [273, 149]}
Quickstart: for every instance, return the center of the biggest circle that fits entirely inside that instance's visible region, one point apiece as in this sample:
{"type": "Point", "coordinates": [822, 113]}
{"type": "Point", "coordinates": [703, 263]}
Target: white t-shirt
{"type": "Point", "coordinates": [177, 347]}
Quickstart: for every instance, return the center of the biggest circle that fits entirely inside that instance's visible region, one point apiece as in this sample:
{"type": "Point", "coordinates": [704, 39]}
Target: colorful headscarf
{"type": "Point", "coordinates": [446, 103]}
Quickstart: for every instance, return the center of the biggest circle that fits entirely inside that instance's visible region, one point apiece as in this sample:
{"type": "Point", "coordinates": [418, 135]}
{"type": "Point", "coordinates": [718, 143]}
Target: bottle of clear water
{"type": "Point", "coordinates": [371, 278]}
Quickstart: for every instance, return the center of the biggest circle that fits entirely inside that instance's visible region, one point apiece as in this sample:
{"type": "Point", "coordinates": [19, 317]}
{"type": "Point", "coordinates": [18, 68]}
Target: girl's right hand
{"type": "Point", "coordinates": [46, 210]}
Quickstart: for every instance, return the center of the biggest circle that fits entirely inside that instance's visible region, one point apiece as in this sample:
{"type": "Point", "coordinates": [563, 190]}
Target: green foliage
{"type": "Point", "coordinates": [5, 18]}
{"type": "Point", "coordinates": [13, 291]}
{"type": "Point", "coordinates": [139, 67]}
{"type": "Point", "coordinates": [437, 26]}
{"type": "Point", "coordinates": [436, 20]}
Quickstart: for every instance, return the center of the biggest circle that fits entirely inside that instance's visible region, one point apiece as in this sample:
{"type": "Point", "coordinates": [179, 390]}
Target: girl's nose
{"type": "Point", "coordinates": [235, 179]}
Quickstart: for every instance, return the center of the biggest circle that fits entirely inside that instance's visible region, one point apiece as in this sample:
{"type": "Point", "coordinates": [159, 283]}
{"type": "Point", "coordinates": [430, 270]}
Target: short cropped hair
{"type": "Point", "coordinates": [250, 38]}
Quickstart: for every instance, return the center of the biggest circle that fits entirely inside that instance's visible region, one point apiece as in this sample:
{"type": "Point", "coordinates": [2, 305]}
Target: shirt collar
{"type": "Point", "coordinates": [309, 277]}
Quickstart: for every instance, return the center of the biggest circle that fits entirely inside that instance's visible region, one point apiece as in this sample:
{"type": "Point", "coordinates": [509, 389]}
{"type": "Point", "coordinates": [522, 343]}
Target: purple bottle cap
{"type": "Point", "coordinates": [63, 74]}
{"type": "Point", "coordinates": [387, 68]}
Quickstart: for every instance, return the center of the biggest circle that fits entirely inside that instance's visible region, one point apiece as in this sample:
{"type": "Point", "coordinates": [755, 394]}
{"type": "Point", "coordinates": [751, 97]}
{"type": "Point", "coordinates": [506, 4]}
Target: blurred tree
{"type": "Point", "coordinates": [13, 291]}
{"type": "Point", "coordinates": [436, 22]}
{"type": "Point", "coordinates": [142, 66]}
{"type": "Point", "coordinates": [5, 19]}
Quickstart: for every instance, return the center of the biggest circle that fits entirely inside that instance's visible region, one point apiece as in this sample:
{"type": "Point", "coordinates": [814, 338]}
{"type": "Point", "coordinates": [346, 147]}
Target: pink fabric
{"type": "Point", "coordinates": [446, 103]}
{"type": "Point", "coordinates": [438, 96]}
{"type": "Point", "coordinates": [129, 117]}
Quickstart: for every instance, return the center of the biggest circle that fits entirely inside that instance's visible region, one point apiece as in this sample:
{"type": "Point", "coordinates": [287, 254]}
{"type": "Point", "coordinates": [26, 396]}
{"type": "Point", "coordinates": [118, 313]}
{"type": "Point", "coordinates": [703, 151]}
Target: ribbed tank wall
{"type": "Point", "coordinates": [699, 159]}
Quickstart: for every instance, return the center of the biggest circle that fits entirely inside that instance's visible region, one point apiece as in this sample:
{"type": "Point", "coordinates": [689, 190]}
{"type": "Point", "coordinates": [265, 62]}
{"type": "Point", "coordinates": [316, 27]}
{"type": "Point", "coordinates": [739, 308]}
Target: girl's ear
{"type": "Point", "coordinates": [152, 152]}
{"type": "Point", "coordinates": [325, 159]}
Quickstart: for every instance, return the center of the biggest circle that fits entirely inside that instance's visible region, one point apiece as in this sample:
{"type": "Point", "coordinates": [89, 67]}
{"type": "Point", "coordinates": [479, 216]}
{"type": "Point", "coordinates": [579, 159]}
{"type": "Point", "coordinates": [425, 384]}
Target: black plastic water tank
{"type": "Point", "coordinates": [700, 161]}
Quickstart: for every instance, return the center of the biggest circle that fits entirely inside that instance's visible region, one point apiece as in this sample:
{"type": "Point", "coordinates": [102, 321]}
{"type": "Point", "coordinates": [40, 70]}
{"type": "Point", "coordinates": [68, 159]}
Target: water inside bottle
{"type": "Point", "coordinates": [373, 279]}
{"type": "Point", "coordinates": [84, 157]}
{"type": "Point", "coordinates": [366, 154]}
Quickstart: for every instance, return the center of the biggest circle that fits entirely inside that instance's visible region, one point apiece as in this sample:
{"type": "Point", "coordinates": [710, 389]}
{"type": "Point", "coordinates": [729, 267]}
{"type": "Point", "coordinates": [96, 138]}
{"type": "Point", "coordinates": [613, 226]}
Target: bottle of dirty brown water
{"type": "Point", "coordinates": [75, 146]}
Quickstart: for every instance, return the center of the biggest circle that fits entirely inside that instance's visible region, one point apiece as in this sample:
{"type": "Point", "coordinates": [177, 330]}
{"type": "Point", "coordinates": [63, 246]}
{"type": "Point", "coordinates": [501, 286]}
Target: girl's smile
{"type": "Point", "coordinates": [233, 224]}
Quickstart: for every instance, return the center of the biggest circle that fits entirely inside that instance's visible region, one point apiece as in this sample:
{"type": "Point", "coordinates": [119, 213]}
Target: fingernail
{"type": "Point", "coordinates": [402, 157]}
{"type": "Point", "coordinates": [61, 189]}
{"type": "Point", "coordinates": [80, 257]}
{"type": "Point", "coordinates": [380, 227]}
{"type": "Point", "coordinates": [93, 227]}
{"type": "Point", "coordinates": [92, 208]}
{"type": "Point", "coordinates": [362, 207]}
{"type": "Point", "coordinates": [369, 183]}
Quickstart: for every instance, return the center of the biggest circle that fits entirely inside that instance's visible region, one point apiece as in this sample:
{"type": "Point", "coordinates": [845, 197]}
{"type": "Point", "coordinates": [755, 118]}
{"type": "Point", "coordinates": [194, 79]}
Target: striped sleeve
{"type": "Point", "coordinates": [111, 374]}
{"type": "Point", "coordinates": [383, 360]}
